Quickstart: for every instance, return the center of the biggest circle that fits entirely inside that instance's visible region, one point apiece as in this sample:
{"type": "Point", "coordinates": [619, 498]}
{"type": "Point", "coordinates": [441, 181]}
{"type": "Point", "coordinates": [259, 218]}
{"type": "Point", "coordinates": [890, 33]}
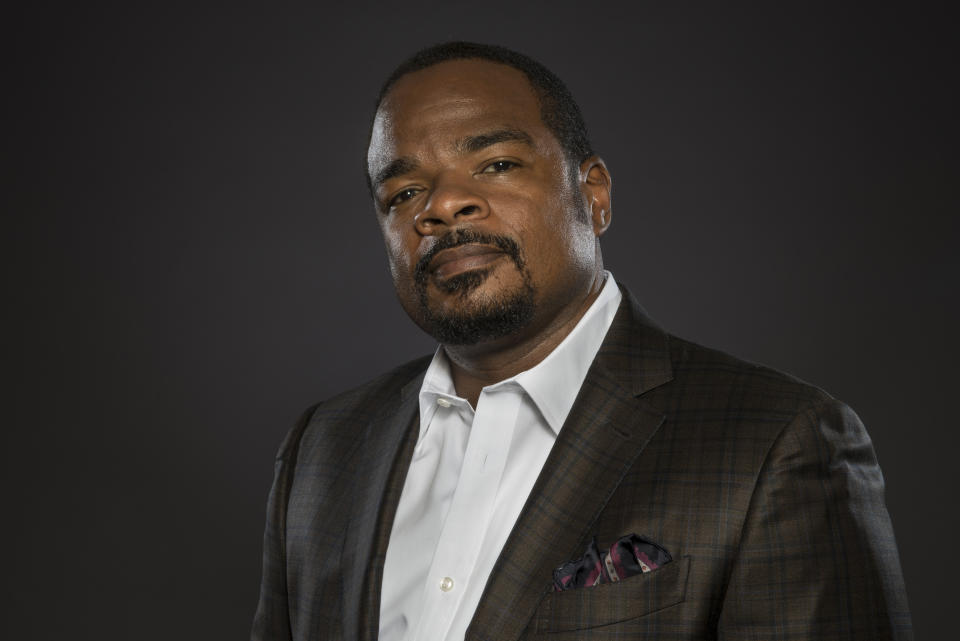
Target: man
{"type": "Point", "coordinates": [561, 467]}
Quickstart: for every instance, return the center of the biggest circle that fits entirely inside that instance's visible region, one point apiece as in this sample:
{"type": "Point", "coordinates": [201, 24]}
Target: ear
{"type": "Point", "coordinates": [596, 186]}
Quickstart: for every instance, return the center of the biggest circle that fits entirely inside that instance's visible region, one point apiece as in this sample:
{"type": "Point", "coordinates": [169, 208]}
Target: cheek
{"type": "Point", "coordinates": [576, 227]}
{"type": "Point", "coordinates": [583, 242]}
{"type": "Point", "coordinates": [399, 253]}
{"type": "Point", "coordinates": [563, 237]}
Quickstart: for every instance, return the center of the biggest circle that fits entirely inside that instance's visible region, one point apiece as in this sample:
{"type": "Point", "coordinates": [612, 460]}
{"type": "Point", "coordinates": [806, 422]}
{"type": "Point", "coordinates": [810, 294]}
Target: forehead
{"type": "Point", "coordinates": [451, 98]}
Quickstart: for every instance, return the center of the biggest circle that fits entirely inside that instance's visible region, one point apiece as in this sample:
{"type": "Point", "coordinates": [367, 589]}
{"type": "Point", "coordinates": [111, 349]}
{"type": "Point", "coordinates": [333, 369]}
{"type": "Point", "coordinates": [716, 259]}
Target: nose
{"type": "Point", "coordinates": [452, 201]}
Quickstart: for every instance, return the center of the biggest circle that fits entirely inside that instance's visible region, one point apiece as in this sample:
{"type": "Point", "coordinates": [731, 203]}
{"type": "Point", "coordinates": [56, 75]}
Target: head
{"type": "Point", "coordinates": [488, 195]}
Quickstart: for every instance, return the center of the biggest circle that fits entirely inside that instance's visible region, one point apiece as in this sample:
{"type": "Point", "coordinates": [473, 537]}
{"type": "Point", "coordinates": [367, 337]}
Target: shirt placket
{"type": "Point", "coordinates": [470, 512]}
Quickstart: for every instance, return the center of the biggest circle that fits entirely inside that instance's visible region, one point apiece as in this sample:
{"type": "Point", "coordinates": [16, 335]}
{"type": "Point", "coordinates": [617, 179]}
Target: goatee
{"type": "Point", "coordinates": [482, 318]}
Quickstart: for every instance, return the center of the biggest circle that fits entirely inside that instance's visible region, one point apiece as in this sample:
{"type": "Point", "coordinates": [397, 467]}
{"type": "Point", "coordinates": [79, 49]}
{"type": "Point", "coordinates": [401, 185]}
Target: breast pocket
{"type": "Point", "coordinates": [637, 596]}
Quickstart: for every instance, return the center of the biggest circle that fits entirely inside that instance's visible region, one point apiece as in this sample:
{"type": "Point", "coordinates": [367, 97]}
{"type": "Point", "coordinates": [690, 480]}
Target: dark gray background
{"type": "Point", "coordinates": [194, 259]}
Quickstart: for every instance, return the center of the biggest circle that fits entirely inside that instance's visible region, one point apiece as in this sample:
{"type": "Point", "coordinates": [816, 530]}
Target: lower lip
{"type": "Point", "coordinates": [465, 264]}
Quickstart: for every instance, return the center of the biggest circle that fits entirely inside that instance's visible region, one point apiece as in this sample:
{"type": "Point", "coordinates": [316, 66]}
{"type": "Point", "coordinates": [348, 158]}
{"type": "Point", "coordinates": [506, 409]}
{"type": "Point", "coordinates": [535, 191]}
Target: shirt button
{"type": "Point", "coordinates": [446, 584]}
{"type": "Point", "coordinates": [442, 402]}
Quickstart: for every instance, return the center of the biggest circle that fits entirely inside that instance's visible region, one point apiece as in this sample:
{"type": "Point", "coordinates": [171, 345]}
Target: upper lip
{"type": "Point", "coordinates": [461, 251]}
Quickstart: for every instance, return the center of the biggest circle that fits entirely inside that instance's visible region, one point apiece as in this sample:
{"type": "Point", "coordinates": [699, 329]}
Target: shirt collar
{"type": "Point", "coordinates": [437, 383]}
{"type": "Point", "coordinates": [554, 382]}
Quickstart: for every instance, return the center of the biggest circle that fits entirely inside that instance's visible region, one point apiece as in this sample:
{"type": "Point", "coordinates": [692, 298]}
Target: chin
{"type": "Point", "coordinates": [471, 313]}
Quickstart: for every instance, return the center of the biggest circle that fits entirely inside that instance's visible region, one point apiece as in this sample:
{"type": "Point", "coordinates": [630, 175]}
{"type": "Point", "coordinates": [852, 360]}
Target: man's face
{"type": "Point", "coordinates": [487, 234]}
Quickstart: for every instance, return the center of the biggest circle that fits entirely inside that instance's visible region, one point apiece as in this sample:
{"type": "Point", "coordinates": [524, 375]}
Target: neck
{"type": "Point", "coordinates": [474, 367]}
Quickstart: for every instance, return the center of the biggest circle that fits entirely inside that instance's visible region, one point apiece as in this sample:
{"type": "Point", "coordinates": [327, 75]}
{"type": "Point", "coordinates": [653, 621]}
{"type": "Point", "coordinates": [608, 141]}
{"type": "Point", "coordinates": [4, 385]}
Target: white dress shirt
{"type": "Point", "coordinates": [469, 477]}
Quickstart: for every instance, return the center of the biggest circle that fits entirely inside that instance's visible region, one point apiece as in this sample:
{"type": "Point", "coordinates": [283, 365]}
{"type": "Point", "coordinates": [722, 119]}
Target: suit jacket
{"type": "Point", "coordinates": [764, 489]}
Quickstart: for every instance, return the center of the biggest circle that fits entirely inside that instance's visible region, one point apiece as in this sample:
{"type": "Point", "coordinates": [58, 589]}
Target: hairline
{"type": "Point", "coordinates": [541, 95]}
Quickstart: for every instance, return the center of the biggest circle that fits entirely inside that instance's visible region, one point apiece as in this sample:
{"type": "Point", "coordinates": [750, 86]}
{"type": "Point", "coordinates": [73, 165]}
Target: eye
{"type": "Point", "coordinates": [403, 196]}
{"type": "Point", "coordinates": [499, 166]}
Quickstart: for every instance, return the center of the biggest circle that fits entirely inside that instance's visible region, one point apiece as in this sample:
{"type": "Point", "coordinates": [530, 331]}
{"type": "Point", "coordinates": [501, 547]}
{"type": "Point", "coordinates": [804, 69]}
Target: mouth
{"type": "Point", "coordinates": [463, 258]}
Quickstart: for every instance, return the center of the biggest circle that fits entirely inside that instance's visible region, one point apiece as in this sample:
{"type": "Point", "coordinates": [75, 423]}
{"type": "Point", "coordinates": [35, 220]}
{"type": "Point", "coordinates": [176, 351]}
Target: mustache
{"type": "Point", "coordinates": [467, 236]}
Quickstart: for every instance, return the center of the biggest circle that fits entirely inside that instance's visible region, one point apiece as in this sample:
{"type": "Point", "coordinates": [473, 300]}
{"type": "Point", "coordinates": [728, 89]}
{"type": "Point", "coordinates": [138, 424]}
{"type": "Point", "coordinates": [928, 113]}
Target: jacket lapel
{"type": "Point", "coordinates": [606, 430]}
{"type": "Point", "coordinates": [389, 440]}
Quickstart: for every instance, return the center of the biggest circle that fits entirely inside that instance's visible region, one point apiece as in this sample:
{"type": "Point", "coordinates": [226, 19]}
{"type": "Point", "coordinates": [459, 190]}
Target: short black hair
{"type": "Point", "coordinates": [558, 110]}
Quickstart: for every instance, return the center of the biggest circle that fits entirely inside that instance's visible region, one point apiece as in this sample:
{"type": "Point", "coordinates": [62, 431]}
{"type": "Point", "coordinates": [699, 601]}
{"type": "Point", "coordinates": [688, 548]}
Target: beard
{"type": "Point", "coordinates": [484, 317]}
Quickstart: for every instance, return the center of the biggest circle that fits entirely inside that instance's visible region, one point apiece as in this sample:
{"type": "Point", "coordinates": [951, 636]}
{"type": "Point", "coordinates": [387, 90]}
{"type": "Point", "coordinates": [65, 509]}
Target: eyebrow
{"type": "Point", "coordinates": [397, 167]}
{"type": "Point", "coordinates": [470, 144]}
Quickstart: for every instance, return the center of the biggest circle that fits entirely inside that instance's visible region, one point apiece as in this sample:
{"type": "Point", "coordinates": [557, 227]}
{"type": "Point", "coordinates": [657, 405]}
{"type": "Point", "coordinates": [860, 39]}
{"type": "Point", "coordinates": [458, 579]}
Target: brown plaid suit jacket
{"type": "Point", "coordinates": [765, 490]}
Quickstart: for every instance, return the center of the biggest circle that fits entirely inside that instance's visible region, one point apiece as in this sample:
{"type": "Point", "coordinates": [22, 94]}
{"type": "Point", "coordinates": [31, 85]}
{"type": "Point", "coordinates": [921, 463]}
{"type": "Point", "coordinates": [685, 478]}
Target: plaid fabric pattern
{"type": "Point", "coordinates": [765, 490]}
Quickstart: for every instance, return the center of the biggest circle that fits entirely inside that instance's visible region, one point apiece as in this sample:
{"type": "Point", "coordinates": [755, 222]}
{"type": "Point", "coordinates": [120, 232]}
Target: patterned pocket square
{"type": "Point", "coordinates": [628, 556]}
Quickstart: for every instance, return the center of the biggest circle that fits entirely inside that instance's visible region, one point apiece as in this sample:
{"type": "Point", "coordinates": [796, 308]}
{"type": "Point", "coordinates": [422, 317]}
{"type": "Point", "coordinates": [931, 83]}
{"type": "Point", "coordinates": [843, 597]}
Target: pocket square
{"type": "Point", "coordinates": [628, 556]}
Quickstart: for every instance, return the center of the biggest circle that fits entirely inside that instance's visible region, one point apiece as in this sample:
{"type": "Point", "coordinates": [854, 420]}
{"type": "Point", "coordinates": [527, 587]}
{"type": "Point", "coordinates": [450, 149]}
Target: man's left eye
{"type": "Point", "coordinates": [499, 166]}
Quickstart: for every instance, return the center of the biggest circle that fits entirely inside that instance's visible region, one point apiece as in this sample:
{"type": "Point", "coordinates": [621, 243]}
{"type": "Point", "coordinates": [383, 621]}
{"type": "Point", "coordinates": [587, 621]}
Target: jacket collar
{"type": "Point", "coordinates": [636, 350]}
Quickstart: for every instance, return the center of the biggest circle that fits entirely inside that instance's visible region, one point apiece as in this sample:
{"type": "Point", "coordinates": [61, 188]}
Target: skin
{"type": "Point", "coordinates": [461, 145]}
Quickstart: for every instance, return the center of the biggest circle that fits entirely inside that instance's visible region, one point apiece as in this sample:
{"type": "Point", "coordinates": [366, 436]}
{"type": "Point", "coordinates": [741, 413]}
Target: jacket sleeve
{"type": "Point", "coordinates": [272, 619]}
{"type": "Point", "coordinates": [817, 557]}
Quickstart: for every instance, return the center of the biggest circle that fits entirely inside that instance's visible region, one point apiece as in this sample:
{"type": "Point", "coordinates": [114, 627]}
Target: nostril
{"type": "Point", "coordinates": [469, 209]}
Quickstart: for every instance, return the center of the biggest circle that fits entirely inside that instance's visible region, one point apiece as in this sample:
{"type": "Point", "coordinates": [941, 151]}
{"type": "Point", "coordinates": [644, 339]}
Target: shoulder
{"type": "Point", "coordinates": [690, 381]}
{"type": "Point", "coordinates": [361, 402]}
{"type": "Point", "coordinates": [770, 434]}
{"type": "Point", "coordinates": [710, 375]}
{"type": "Point", "coordinates": [351, 407]}
{"type": "Point", "coordinates": [717, 398]}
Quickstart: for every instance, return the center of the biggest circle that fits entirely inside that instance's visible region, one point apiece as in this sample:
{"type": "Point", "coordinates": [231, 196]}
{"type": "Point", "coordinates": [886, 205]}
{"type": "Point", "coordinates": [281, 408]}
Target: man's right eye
{"type": "Point", "coordinates": [403, 196]}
